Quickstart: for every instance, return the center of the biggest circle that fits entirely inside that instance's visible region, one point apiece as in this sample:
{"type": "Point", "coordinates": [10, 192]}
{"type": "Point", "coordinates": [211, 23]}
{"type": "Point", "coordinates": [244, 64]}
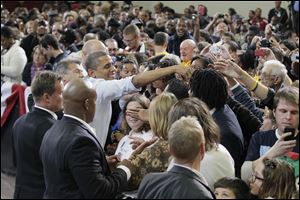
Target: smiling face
{"type": "Point", "coordinates": [181, 28]}
{"type": "Point", "coordinates": [128, 69]}
{"type": "Point", "coordinates": [106, 70]}
{"type": "Point", "coordinates": [133, 123]}
{"type": "Point", "coordinates": [186, 51]}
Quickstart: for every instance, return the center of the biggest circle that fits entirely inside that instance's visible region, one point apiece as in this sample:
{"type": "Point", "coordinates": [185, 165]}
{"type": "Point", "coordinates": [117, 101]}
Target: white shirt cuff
{"type": "Point", "coordinates": [235, 86]}
{"type": "Point", "coordinates": [126, 170]}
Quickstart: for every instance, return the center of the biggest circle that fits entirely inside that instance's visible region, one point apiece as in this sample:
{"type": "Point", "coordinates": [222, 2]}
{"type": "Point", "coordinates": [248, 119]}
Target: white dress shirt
{"type": "Point", "coordinates": [107, 91]}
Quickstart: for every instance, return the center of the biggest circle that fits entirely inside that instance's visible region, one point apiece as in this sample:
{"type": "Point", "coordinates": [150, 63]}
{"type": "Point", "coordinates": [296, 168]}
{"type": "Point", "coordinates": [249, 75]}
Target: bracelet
{"type": "Point", "coordinates": [254, 86]}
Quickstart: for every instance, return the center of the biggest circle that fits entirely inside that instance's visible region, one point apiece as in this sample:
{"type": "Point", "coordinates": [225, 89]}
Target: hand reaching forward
{"type": "Point", "coordinates": [144, 145]}
{"type": "Point", "coordinates": [228, 68]}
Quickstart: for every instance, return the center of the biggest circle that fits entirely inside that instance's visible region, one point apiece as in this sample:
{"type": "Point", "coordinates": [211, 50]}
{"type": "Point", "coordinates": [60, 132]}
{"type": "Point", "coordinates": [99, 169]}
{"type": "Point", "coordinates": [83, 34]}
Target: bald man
{"type": "Point", "coordinates": [187, 51]}
{"type": "Point", "coordinates": [74, 161]}
{"type": "Point", "coordinates": [90, 47]}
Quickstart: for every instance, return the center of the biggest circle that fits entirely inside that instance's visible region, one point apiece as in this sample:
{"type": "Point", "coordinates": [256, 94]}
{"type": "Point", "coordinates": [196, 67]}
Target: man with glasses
{"type": "Point", "coordinates": [112, 46]}
{"type": "Point", "coordinates": [132, 39]}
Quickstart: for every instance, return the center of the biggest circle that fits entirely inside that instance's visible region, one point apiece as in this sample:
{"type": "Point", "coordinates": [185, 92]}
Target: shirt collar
{"type": "Point", "coordinates": [193, 170]}
{"type": "Point", "coordinates": [49, 111]}
{"type": "Point", "coordinates": [212, 111]}
{"type": "Point", "coordinates": [277, 133]}
{"type": "Point", "coordinates": [83, 122]}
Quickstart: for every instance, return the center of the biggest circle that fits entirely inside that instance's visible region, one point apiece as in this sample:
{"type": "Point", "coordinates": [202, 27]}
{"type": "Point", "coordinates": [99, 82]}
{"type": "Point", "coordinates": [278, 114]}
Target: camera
{"type": "Point", "coordinates": [265, 43]}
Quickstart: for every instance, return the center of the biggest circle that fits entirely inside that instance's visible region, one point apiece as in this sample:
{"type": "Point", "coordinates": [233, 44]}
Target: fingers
{"type": "Point", "coordinates": [284, 135]}
{"type": "Point", "coordinates": [145, 144]}
{"type": "Point", "coordinates": [133, 113]}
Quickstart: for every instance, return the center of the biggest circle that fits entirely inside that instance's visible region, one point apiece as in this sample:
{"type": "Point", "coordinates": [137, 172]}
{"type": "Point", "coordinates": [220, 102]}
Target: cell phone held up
{"type": "Point", "coordinates": [260, 52]}
{"type": "Point", "coordinates": [290, 137]}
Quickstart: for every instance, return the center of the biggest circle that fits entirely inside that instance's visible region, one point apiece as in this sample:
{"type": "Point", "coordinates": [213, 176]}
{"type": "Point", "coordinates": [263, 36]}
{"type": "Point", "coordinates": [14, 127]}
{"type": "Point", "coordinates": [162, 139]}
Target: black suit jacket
{"type": "Point", "coordinates": [178, 183]}
{"type": "Point", "coordinates": [28, 132]}
{"type": "Point", "coordinates": [75, 165]}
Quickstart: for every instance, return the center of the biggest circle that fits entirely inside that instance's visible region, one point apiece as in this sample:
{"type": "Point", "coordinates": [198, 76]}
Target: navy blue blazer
{"type": "Point", "coordinates": [178, 183]}
{"type": "Point", "coordinates": [75, 165]}
{"type": "Point", "coordinates": [231, 135]}
{"type": "Point", "coordinates": [28, 132]}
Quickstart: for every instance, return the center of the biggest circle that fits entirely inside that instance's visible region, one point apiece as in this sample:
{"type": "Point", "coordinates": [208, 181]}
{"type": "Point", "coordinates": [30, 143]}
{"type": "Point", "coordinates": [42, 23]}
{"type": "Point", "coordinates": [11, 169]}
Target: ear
{"type": "Point", "coordinates": [202, 150]}
{"type": "Point", "coordinates": [46, 98]}
{"type": "Point", "coordinates": [91, 73]}
{"type": "Point", "coordinates": [86, 104]}
{"type": "Point", "coordinates": [277, 80]}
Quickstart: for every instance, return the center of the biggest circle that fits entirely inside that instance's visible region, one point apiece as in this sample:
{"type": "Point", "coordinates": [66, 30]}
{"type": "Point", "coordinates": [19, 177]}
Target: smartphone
{"type": "Point", "coordinates": [260, 52]}
{"type": "Point", "coordinates": [215, 49]}
{"type": "Point", "coordinates": [289, 137]}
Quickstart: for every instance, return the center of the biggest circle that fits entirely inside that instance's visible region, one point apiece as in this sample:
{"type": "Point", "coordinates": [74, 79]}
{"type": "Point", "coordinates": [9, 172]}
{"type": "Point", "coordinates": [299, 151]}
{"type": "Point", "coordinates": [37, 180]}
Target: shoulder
{"type": "Point", "coordinates": [264, 134]}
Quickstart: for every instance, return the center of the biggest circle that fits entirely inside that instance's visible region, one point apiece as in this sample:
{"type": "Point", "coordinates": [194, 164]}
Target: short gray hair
{"type": "Point", "coordinates": [92, 61]}
{"type": "Point", "coordinates": [276, 68]}
{"type": "Point", "coordinates": [63, 66]}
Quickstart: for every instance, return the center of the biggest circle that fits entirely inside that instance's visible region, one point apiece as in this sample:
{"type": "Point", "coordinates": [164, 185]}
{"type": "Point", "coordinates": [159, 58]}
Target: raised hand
{"type": "Point", "coordinates": [228, 68]}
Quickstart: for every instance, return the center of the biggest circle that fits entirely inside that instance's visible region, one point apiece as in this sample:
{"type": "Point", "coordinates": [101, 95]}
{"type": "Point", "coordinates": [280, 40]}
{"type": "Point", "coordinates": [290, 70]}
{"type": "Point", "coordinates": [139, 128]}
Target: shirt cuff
{"type": "Point", "coordinates": [235, 86]}
{"type": "Point", "coordinates": [126, 170]}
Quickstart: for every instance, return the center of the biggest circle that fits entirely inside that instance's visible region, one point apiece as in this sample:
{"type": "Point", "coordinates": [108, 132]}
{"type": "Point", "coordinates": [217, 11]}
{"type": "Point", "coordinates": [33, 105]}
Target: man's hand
{"type": "Point", "coordinates": [136, 141]}
{"type": "Point", "coordinates": [112, 161]}
{"type": "Point", "coordinates": [281, 147]}
{"type": "Point", "coordinates": [145, 144]}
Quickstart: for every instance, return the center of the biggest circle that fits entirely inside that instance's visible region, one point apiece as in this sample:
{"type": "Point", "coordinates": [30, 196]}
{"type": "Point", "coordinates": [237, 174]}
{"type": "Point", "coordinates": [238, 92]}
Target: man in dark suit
{"type": "Point", "coordinates": [29, 130]}
{"type": "Point", "coordinates": [183, 180]}
{"type": "Point", "coordinates": [74, 162]}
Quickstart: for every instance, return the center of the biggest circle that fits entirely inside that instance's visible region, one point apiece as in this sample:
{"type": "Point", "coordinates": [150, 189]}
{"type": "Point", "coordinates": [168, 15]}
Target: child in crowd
{"type": "Point", "coordinates": [135, 129]}
{"type": "Point", "coordinates": [231, 188]}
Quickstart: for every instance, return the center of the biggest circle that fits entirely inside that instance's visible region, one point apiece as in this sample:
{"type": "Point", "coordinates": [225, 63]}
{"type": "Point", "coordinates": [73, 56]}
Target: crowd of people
{"type": "Point", "coordinates": [126, 103]}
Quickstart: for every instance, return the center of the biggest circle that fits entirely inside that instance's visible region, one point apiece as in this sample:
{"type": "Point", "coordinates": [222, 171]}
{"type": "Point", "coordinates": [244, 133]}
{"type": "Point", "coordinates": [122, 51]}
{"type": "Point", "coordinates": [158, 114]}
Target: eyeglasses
{"type": "Point", "coordinates": [114, 49]}
{"type": "Point", "coordinates": [129, 41]}
{"type": "Point", "coordinates": [254, 177]}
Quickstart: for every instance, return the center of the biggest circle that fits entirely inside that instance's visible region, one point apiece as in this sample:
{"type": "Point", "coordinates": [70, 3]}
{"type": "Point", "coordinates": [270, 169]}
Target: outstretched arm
{"type": "Point", "coordinates": [147, 77]}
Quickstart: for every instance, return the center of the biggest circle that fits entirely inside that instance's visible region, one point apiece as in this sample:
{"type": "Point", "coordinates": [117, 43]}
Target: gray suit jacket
{"type": "Point", "coordinates": [178, 183]}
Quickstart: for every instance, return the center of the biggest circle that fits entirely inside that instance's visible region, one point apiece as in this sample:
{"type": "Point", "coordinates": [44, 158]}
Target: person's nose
{"type": "Point", "coordinates": [288, 116]}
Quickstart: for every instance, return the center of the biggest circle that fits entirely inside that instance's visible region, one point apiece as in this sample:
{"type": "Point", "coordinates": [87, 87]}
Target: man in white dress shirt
{"type": "Point", "coordinates": [99, 67]}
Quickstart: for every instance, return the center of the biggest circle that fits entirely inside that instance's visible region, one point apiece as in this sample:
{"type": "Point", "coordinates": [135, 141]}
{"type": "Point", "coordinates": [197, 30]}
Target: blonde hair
{"type": "Point", "coordinates": [185, 138]}
{"type": "Point", "coordinates": [158, 114]}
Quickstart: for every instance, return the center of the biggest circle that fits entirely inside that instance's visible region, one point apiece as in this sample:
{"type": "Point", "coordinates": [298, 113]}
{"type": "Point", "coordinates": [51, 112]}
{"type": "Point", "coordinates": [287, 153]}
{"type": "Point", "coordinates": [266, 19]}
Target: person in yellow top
{"type": "Point", "coordinates": [187, 52]}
